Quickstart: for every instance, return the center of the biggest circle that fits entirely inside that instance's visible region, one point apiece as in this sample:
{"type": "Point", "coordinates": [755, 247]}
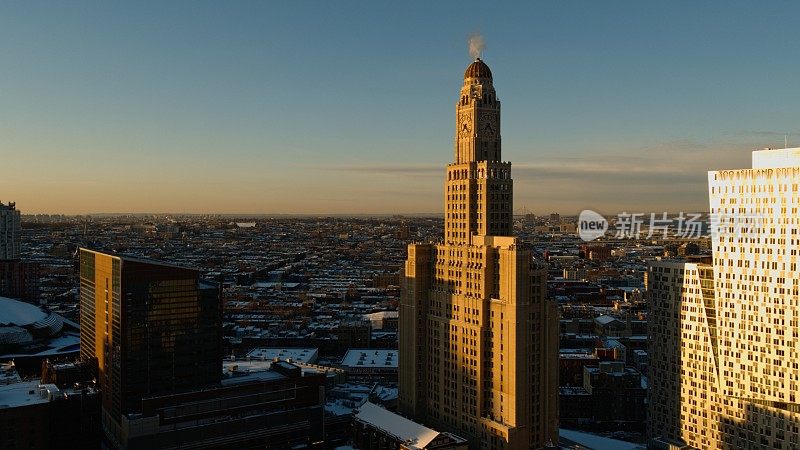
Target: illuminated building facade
{"type": "Point", "coordinates": [478, 340]}
{"type": "Point", "coordinates": [725, 337]}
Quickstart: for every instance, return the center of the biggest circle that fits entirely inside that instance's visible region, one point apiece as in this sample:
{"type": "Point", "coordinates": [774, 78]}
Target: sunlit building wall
{"type": "Point", "coordinates": [726, 363]}
{"type": "Point", "coordinates": [478, 340]}
{"type": "Point", "coordinates": [684, 373]}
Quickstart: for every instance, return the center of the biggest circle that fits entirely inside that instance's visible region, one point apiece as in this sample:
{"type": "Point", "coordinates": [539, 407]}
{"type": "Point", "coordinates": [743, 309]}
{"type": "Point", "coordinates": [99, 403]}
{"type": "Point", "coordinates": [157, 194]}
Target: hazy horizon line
{"type": "Point", "coordinates": [288, 215]}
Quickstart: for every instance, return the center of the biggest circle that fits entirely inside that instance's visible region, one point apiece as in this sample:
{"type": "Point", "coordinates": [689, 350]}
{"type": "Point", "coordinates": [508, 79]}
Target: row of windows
{"type": "Point", "coordinates": [751, 188]}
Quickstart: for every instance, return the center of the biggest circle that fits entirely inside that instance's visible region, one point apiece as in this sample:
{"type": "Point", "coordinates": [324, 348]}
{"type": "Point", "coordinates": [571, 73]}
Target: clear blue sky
{"type": "Point", "coordinates": [348, 107]}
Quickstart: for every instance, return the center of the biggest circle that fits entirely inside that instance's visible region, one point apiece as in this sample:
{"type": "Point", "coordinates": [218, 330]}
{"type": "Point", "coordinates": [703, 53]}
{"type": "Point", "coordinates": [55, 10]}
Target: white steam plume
{"type": "Point", "coordinates": [476, 45]}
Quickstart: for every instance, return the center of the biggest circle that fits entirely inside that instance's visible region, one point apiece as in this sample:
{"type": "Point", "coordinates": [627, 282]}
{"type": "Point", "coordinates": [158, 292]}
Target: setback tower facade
{"type": "Point", "coordinates": [478, 339]}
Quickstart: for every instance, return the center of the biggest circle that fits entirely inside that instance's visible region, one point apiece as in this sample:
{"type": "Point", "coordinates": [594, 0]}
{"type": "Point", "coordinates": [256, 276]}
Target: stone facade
{"type": "Point", "coordinates": [478, 339]}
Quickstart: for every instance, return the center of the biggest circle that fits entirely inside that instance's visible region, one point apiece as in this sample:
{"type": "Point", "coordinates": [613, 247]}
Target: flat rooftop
{"type": "Point", "coordinates": [782, 157]}
{"type": "Point", "coordinates": [243, 366]}
{"type": "Point", "coordinates": [370, 358]}
{"type": "Point", "coordinates": [577, 356]}
{"type": "Point", "coordinates": [593, 441]}
{"type": "Point", "coordinates": [304, 355]}
{"type": "Point", "coordinates": [137, 259]}
{"type": "Point", "coordinates": [244, 377]}
{"type": "Point", "coordinates": [413, 434]}
{"type": "Point", "coordinates": [20, 394]}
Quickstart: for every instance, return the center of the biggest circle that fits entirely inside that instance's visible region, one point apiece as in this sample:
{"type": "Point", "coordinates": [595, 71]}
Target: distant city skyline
{"type": "Point", "coordinates": [317, 108]}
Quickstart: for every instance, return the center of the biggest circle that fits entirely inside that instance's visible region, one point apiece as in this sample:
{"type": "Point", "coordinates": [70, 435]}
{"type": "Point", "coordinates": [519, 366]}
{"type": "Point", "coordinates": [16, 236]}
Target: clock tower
{"type": "Point", "coordinates": [477, 116]}
{"type": "Point", "coordinates": [478, 339]}
{"type": "Point", "coordinates": [478, 192]}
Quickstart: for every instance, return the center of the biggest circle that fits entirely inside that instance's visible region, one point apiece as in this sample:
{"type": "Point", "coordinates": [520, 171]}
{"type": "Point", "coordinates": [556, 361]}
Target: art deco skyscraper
{"type": "Point", "coordinates": [725, 368]}
{"type": "Point", "coordinates": [154, 328]}
{"type": "Point", "coordinates": [478, 340]}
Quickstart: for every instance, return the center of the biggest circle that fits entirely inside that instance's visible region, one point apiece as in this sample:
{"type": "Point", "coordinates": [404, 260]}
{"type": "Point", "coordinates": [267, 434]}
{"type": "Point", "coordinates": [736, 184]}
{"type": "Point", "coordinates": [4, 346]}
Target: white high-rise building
{"type": "Point", "coordinates": [10, 231]}
{"type": "Point", "coordinates": [725, 362]}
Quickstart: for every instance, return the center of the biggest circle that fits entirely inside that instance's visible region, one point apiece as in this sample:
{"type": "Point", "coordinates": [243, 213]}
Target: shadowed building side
{"type": "Point", "coordinates": [413, 338]}
{"type": "Point", "coordinates": [152, 327]}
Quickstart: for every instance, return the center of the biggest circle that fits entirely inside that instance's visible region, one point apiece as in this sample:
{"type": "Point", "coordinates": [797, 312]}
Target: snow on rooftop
{"type": "Point", "coordinates": [20, 394]}
{"type": "Point", "coordinates": [414, 434]}
{"type": "Point", "coordinates": [244, 366]}
{"type": "Point", "coordinates": [604, 320]}
{"type": "Point", "coordinates": [382, 315]}
{"type": "Point", "coordinates": [594, 442]}
{"type": "Point", "coordinates": [577, 356]}
{"type": "Point", "coordinates": [338, 408]}
{"type": "Point", "coordinates": [14, 312]}
{"type": "Point", "coordinates": [8, 373]}
{"type": "Point", "coordinates": [65, 344]}
{"type": "Point", "coordinates": [370, 358]}
{"type": "Point", "coordinates": [243, 377]}
{"type": "Point", "coordinates": [305, 355]}
{"type": "Point", "coordinates": [386, 393]}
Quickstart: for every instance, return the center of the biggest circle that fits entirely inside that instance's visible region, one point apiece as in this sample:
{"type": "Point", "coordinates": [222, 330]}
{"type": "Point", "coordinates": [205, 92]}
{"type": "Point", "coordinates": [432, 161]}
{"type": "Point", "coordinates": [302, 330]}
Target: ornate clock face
{"type": "Point", "coordinates": [464, 125]}
{"type": "Point", "coordinates": [488, 123]}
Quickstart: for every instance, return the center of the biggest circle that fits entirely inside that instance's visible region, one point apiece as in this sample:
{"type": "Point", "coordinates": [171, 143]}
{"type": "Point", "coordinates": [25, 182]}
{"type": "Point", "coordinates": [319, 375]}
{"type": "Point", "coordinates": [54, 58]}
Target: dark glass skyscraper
{"type": "Point", "coordinates": [154, 328]}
